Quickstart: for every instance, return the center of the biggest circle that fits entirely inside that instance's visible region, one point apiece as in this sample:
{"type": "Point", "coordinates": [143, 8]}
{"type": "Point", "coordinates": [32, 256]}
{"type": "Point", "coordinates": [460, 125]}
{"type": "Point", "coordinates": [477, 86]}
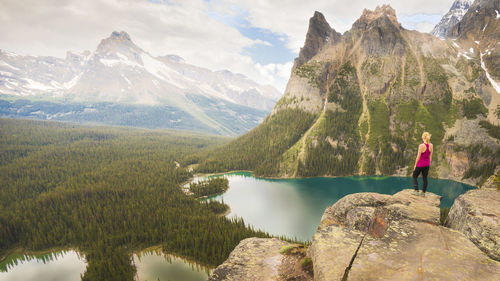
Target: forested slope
{"type": "Point", "coordinates": [106, 192]}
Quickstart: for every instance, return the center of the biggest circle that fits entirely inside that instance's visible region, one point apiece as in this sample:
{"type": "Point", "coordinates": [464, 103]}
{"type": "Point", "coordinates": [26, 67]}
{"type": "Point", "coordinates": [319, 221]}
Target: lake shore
{"type": "Point", "coordinates": [159, 249]}
{"type": "Point", "coordinates": [23, 251]}
{"type": "Point", "coordinates": [324, 176]}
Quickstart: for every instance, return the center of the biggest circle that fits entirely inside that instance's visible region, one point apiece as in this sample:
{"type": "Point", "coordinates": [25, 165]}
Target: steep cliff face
{"type": "Point", "coordinates": [319, 34]}
{"type": "Point", "coordinates": [372, 91]}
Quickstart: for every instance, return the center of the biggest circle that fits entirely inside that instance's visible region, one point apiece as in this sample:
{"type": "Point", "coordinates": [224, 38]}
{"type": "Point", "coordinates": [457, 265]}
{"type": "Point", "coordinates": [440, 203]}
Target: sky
{"type": "Point", "coordinates": [258, 38]}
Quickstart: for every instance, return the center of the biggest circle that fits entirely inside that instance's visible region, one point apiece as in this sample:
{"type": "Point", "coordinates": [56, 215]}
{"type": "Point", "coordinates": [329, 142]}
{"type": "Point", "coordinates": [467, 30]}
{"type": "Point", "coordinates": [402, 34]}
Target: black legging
{"type": "Point", "coordinates": [425, 171]}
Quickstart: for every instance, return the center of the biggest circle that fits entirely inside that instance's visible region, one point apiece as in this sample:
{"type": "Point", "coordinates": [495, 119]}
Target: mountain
{"type": "Point", "coordinates": [450, 19]}
{"type": "Point", "coordinates": [480, 29]}
{"type": "Point", "coordinates": [119, 77]}
{"type": "Point", "coordinates": [358, 105]}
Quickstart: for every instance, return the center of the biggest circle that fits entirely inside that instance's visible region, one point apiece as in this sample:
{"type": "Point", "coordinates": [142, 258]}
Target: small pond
{"type": "Point", "coordinates": [154, 265]}
{"type": "Point", "coordinates": [53, 266]}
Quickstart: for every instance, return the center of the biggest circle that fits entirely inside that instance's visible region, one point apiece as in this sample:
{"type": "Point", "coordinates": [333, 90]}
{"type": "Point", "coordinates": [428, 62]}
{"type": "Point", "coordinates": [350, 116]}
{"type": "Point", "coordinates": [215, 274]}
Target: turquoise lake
{"type": "Point", "coordinates": [293, 207]}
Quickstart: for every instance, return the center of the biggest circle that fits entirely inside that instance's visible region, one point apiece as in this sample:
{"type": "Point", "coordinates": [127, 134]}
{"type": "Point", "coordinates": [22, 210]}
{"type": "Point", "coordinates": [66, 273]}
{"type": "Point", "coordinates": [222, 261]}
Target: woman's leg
{"type": "Point", "coordinates": [415, 176]}
{"type": "Point", "coordinates": [425, 172]}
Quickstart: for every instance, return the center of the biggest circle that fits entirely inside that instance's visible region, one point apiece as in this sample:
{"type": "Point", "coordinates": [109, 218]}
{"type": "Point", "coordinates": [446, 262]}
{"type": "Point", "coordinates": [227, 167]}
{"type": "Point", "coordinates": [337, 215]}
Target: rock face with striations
{"type": "Point", "coordinates": [477, 215]}
{"type": "Point", "coordinates": [370, 236]}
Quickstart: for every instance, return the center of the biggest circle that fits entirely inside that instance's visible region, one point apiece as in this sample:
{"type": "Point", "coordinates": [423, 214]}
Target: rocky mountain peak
{"type": "Point", "coordinates": [318, 35]}
{"type": "Point", "coordinates": [379, 31]}
{"type": "Point", "coordinates": [461, 4]}
{"type": "Point", "coordinates": [122, 35]}
{"type": "Point", "coordinates": [118, 41]}
{"type": "Point", "coordinates": [385, 10]}
{"type": "Point", "coordinates": [450, 19]}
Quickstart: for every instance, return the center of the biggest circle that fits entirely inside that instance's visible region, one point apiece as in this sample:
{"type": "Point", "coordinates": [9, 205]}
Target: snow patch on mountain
{"type": "Point", "coordinates": [450, 19]}
{"type": "Point", "coordinates": [495, 84]}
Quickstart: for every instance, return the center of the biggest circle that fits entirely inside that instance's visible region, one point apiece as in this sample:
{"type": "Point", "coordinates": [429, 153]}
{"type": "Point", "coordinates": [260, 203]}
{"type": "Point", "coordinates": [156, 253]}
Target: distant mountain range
{"type": "Point", "coordinates": [121, 84]}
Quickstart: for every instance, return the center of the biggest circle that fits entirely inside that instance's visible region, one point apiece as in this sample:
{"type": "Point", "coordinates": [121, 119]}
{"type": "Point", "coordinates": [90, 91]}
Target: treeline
{"type": "Point", "coordinates": [209, 187]}
{"type": "Point", "coordinates": [107, 192]}
{"type": "Point", "coordinates": [216, 206]}
{"type": "Point", "coordinates": [260, 149]}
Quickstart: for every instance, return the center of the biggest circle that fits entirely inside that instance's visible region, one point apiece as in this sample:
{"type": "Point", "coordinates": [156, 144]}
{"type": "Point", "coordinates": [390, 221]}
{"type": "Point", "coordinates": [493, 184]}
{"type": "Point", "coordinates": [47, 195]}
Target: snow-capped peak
{"type": "Point", "coordinates": [450, 19]}
{"type": "Point", "coordinates": [119, 42]}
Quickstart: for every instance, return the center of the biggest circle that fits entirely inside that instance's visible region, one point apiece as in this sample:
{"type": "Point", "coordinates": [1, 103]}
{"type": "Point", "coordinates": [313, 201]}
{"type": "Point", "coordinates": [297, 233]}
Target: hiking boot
{"type": "Point", "coordinates": [415, 192]}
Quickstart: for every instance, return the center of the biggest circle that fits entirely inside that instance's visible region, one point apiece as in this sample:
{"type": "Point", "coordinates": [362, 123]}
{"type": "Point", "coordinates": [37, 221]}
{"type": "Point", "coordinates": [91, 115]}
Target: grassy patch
{"type": "Point", "coordinates": [443, 215]}
{"type": "Point", "coordinates": [293, 249]}
{"type": "Point", "coordinates": [286, 99]}
{"type": "Point", "coordinates": [307, 264]}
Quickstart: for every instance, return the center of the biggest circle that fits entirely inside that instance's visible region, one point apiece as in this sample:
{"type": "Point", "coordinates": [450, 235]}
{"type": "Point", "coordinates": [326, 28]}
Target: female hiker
{"type": "Point", "coordinates": [422, 163]}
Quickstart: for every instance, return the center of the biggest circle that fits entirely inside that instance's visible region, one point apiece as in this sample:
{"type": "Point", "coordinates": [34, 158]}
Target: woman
{"type": "Point", "coordinates": [423, 161]}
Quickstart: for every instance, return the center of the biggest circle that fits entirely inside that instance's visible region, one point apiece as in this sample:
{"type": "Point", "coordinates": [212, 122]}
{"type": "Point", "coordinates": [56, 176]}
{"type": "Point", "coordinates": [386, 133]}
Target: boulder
{"type": "Point", "coordinates": [476, 214]}
{"type": "Point", "coordinates": [370, 236]}
{"type": "Point", "coordinates": [261, 259]}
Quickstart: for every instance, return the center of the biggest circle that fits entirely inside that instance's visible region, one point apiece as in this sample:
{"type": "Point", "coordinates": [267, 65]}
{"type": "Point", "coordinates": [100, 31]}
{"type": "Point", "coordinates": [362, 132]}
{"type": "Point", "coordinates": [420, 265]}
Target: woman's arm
{"type": "Point", "coordinates": [431, 149]}
{"type": "Point", "coordinates": [419, 152]}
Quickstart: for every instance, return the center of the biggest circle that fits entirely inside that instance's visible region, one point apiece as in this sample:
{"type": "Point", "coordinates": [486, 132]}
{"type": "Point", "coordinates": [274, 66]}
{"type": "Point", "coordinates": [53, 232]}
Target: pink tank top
{"type": "Point", "coordinates": [425, 160]}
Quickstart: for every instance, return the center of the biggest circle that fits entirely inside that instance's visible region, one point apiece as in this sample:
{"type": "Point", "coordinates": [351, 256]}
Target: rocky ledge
{"type": "Point", "coordinates": [476, 214]}
{"type": "Point", "coordinates": [261, 259]}
{"type": "Point", "coordinates": [371, 236]}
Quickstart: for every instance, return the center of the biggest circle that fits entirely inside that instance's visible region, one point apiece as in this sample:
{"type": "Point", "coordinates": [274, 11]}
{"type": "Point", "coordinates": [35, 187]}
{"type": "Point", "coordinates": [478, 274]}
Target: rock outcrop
{"type": "Point", "coordinates": [477, 215]}
{"type": "Point", "coordinates": [260, 259]}
{"type": "Point", "coordinates": [318, 35]}
{"type": "Point", "coordinates": [380, 237]}
{"type": "Point", "coordinates": [371, 236]}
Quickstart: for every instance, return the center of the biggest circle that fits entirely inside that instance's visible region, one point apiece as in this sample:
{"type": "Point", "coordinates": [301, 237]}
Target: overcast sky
{"type": "Point", "coordinates": [259, 38]}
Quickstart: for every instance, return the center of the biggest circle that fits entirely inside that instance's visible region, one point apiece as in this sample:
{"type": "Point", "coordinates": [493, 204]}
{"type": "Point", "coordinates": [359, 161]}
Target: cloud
{"type": "Point", "coordinates": [291, 17]}
{"type": "Point", "coordinates": [204, 33]}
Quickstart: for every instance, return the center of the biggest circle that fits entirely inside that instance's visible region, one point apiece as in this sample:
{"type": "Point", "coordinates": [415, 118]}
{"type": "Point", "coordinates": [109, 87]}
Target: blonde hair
{"type": "Point", "coordinates": [426, 136]}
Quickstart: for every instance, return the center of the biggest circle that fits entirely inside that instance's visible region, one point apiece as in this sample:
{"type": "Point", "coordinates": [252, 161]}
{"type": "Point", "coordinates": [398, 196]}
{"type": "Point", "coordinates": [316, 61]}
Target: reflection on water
{"type": "Point", "coordinates": [293, 207]}
{"type": "Point", "coordinates": [154, 265]}
{"type": "Point", "coordinates": [59, 265]}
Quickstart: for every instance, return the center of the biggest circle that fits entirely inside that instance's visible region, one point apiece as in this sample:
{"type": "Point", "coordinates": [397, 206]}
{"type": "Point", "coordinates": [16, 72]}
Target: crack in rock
{"type": "Point", "coordinates": [348, 268]}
